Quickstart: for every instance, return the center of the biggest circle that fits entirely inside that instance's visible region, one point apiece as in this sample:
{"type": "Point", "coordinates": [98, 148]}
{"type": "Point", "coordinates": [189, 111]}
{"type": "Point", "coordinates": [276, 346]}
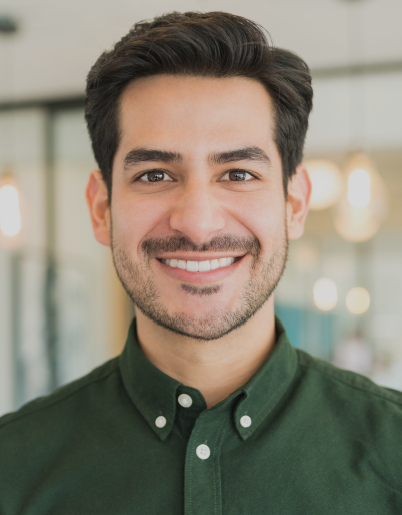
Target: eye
{"type": "Point", "coordinates": [237, 176]}
{"type": "Point", "coordinates": [155, 176]}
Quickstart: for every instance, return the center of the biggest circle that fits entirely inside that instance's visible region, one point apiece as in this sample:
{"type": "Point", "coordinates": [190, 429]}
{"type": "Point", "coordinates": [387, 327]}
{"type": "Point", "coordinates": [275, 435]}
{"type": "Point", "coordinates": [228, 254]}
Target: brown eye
{"type": "Point", "coordinates": [237, 176]}
{"type": "Point", "coordinates": [155, 176]}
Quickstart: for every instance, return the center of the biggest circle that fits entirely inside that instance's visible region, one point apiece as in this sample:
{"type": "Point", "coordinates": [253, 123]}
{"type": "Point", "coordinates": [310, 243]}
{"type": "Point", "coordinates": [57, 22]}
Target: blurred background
{"type": "Point", "coordinates": [62, 309]}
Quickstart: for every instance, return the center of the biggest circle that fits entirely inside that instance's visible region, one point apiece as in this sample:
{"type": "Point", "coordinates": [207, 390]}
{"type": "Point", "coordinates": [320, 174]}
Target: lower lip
{"type": "Point", "coordinates": [201, 277]}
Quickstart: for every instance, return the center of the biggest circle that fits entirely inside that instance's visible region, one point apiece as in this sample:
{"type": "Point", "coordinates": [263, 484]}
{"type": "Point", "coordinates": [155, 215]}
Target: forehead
{"type": "Point", "coordinates": [197, 112]}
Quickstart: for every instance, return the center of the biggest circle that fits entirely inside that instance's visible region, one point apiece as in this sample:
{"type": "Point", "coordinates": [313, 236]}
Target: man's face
{"type": "Point", "coordinates": [197, 178]}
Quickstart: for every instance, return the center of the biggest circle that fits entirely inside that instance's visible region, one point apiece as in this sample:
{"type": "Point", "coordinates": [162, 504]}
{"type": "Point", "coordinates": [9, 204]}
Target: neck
{"type": "Point", "coordinates": [216, 368]}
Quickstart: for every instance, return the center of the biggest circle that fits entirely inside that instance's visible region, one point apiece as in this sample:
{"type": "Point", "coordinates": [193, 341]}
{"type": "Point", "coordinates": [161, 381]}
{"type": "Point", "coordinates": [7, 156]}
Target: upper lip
{"type": "Point", "coordinates": [199, 257]}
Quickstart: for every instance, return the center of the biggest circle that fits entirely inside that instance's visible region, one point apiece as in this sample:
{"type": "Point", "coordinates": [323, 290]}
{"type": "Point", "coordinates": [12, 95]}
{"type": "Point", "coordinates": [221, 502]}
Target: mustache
{"type": "Point", "coordinates": [224, 243]}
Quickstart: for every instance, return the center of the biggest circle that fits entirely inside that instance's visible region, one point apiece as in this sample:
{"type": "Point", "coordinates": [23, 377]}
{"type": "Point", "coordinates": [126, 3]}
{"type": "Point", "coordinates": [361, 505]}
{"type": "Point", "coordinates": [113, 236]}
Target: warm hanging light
{"type": "Point", "coordinates": [10, 212]}
{"type": "Point", "coordinates": [359, 188]}
{"type": "Point", "coordinates": [10, 218]}
{"type": "Point", "coordinates": [358, 300]}
{"type": "Point", "coordinates": [326, 181]}
{"type": "Point", "coordinates": [363, 208]}
{"type": "Point", "coordinates": [325, 294]}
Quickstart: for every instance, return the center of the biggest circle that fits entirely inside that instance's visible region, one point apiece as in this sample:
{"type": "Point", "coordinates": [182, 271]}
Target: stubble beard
{"type": "Point", "coordinates": [264, 277]}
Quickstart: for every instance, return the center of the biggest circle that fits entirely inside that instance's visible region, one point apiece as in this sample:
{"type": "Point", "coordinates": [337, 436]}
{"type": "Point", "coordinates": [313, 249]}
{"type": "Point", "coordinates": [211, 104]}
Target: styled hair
{"type": "Point", "coordinates": [215, 44]}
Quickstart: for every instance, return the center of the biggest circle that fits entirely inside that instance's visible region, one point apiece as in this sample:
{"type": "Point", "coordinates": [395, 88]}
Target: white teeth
{"type": "Point", "coordinates": [214, 264]}
{"type": "Point", "coordinates": [204, 266]}
{"type": "Point", "coordinates": [181, 264]}
{"type": "Point", "coordinates": [192, 266]}
{"type": "Point", "coordinates": [199, 266]}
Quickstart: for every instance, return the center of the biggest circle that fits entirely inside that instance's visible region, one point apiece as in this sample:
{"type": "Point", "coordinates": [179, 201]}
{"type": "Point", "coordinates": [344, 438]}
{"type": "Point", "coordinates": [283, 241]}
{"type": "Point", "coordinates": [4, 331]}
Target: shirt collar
{"type": "Point", "coordinates": [155, 394]}
{"type": "Point", "coordinates": [152, 391]}
{"type": "Point", "coordinates": [268, 385]}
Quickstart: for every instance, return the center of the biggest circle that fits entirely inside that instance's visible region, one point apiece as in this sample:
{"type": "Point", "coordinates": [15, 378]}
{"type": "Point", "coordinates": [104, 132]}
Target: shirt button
{"type": "Point", "coordinates": [245, 421]}
{"type": "Point", "coordinates": [203, 452]}
{"type": "Point", "coordinates": [185, 400]}
{"type": "Point", "coordinates": [160, 422]}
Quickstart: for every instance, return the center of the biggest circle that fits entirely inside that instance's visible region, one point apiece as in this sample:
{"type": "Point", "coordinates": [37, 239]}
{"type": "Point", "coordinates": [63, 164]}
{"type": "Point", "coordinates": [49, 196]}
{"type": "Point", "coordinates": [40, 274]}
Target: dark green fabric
{"type": "Point", "coordinates": [321, 441]}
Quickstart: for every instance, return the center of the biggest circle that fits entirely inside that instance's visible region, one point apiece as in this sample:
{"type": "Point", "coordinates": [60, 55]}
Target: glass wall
{"type": "Point", "coordinates": [63, 311]}
{"type": "Point", "coordinates": [22, 268]}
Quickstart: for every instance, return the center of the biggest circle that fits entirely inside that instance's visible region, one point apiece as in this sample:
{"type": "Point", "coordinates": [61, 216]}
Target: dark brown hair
{"type": "Point", "coordinates": [215, 44]}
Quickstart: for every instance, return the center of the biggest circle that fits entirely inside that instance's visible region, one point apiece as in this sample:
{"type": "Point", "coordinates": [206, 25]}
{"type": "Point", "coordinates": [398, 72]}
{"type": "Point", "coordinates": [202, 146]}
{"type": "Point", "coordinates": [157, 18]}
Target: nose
{"type": "Point", "coordinates": [197, 213]}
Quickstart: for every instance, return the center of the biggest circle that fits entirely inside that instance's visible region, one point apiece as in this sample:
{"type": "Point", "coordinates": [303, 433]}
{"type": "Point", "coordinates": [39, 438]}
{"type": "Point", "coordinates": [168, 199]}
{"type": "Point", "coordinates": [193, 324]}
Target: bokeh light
{"type": "Point", "coordinates": [356, 224]}
{"type": "Point", "coordinates": [10, 216]}
{"type": "Point", "coordinates": [360, 212]}
{"type": "Point", "coordinates": [358, 300]}
{"type": "Point", "coordinates": [326, 181]}
{"type": "Point", "coordinates": [359, 186]}
{"type": "Point", "coordinates": [325, 294]}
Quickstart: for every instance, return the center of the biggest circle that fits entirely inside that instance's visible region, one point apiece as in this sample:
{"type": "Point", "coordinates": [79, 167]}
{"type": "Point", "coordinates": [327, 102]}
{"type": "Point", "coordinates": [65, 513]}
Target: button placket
{"type": "Point", "coordinates": [202, 469]}
{"type": "Point", "coordinates": [203, 451]}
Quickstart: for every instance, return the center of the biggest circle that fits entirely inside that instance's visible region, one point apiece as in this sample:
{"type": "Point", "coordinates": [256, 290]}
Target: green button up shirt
{"type": "Point", "coordinates": [300, 438]}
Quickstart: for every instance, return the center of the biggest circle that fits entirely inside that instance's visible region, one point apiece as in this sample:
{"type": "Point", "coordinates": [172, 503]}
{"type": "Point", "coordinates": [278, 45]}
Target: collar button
{"type": "Point", "coordinates": [185, 400]}
{"type": "Point", "coordinates": [245, 421]}
{"type": "Point", "coordinates": [160, 422]}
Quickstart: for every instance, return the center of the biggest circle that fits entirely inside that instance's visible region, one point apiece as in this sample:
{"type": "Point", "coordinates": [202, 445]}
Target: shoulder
{"type": "Point", "coordinates": [358, 413]}
{"type": "Point", "coordinates": [82, 391]}
{"type": "Point", "coordinates": [43, 437]}
{"type": "Point", "coordinates": [344, 382]}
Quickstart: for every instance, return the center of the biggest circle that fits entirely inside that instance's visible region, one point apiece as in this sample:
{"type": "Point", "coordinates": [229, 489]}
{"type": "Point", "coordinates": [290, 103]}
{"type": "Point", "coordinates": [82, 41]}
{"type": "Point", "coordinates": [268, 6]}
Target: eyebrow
{"type": "Point", "coordinates": [141, 155]}
{"type": "Point", "coordinates": [242, 154]}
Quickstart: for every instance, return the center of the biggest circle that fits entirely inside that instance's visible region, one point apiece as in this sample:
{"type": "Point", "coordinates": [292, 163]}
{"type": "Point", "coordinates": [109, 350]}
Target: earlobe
{"type": "Point", "coordinates": [299, 191]}
{"type": "Point", "coordinates": [98, 203]}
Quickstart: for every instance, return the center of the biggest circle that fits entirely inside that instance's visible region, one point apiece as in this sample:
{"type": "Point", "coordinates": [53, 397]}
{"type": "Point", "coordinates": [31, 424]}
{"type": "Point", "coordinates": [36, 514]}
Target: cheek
{"type": "Point", "coordinates": [135, 219]}
{"type": "Point", "coordinates": [264, 216]}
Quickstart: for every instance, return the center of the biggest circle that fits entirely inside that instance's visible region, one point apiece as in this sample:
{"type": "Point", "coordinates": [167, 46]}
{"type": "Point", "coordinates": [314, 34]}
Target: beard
{"type": "Point", "coordinates": [137, 280]}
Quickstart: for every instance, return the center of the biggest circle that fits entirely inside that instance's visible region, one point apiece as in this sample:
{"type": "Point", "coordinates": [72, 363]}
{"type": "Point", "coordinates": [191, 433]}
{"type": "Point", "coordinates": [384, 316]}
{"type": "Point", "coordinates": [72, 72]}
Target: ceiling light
{"type": "Point", "coordinates": [10, 211]}
{"type": "Point", "coordinates": [355, 224]}
{"type": "Point", "coordinates": [358, 300]}
{"type": "Point", "coordinates": [359, 186]}
{"type": "Point", "coordinates": [326, 181]}
{"type": "Point", "coordinates": [325, 294]}
{"type": "Point", "coordinates": [363, 207]}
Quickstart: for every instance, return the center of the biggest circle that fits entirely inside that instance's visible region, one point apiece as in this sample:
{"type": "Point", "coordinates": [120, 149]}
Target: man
{"type": "Point", "coordinates": [198, 126]}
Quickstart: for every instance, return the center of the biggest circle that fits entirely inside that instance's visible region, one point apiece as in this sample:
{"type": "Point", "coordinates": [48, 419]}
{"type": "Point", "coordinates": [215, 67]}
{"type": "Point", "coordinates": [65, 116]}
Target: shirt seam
{"type": "Point", "coordinates": [216, 466]}
{"type": "Point", "coordinates": [18, 416]}
{"type": "Point", "coordinates": [191, 465]}
{"type": "Point", "coordinates": [334, 375]}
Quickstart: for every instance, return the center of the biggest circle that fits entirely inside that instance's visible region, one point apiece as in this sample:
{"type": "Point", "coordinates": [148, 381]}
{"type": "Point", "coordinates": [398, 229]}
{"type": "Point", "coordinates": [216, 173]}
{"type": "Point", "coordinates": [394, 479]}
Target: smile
{"type": "Point", "coordinates": [200, 266]}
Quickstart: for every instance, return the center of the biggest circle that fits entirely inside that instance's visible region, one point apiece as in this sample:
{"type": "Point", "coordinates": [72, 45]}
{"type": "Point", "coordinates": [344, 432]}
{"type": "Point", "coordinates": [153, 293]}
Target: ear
{"type": "Point", "coordinates": [299, 191]}
{"type": "Point", "coordinates": [98, 203]}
